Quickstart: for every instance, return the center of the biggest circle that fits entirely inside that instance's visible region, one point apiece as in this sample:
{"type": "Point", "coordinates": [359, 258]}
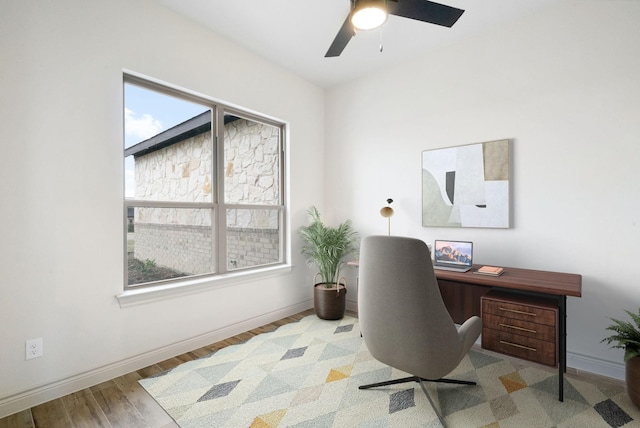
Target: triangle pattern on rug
{"type": "Point", "coordinates": [294, 353]}
{"type": "Point", "coordinates": [285, 342]}
{"type": "Point", "coordinates": [331, 351]}
{"type": "Point", "coordinates": [220, 390]}
{"type": "Point", "coordinates": [268, 347]}
{"type": "Point", "coordinates": [307, 395]}
{"type": "Point", "coordinates": [181, 382]}
{"type": "Point", "coordinates": [294, 377]}
{"type": "Point", "coordinates": [325, 420]}
{"type": "Point", "coordinates": [214, 373]}
{"type": "Point", "coordinates": [513, 382]}
{"type": "Point", "coordinates": [339, 373]}
{"type": "Point", "coordinates": [559, 414]}
{"type": "Point", "coordinates": [401, 400]}
{"type": "Point", "coordinates": [344, 329]}
{"type": "Point", "coordinates": [480, 360]}
{"type": "Point", "coordinates": [550, 385]}
{"type": "Point", "coordinates": [612, 413]}
{"type": "Point", "coordinates": [454, 398]}
{"type": "Point", "coordinates": [270, 420]}
{"type": "Point", "coordinates": [271, 385]}
{"type": "Point", "coordinates": [503, 407]}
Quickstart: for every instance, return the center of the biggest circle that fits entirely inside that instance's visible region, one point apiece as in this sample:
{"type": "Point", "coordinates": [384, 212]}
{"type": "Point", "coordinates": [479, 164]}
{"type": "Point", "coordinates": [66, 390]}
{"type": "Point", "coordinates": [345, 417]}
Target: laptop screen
{"type": "Point", "coordinates": [453, 253]}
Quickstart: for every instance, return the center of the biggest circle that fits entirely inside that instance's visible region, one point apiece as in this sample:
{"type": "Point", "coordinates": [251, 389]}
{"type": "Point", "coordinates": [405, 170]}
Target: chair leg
{"type": "Point", "coordinates": [390, 382]}
{"type": "Point", "coordinates": [454, 381]}
{"type": "Point", "coordinates": [435, 409]}
{"type": "Point", "coordinates": [416, 379]}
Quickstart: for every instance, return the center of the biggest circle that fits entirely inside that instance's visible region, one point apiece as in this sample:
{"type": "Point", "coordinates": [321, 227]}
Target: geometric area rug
{"type": "Point", "coordinates": [307, 373]}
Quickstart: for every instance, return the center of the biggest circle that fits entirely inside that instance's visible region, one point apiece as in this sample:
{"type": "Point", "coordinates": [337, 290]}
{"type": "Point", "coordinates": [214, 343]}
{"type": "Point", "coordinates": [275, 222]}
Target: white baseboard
{"type": "Point", "coordinates": [59, 388]}
{"type": "Point", "coordinates": [598, 366]}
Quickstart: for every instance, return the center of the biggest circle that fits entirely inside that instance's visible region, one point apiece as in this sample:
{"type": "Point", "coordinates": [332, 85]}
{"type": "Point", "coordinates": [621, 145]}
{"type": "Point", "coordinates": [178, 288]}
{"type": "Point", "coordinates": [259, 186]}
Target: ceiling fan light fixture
{"type": "Point", "coordinates": [419, 10]}
{"type": "Point", "coordinates": [368, 15]}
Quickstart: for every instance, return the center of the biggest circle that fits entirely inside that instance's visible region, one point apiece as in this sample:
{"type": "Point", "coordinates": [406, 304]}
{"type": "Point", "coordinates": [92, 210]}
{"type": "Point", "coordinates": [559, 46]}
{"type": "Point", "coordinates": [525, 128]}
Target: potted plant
{"type": "Point", "coordinates": [627, 337]}
{"type": "Point", "coordinates": [326, 249]}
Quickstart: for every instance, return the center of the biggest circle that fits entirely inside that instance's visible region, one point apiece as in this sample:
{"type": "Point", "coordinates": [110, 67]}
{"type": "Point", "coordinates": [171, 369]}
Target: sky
{"type": "Point", "coordinates": [147, 113]}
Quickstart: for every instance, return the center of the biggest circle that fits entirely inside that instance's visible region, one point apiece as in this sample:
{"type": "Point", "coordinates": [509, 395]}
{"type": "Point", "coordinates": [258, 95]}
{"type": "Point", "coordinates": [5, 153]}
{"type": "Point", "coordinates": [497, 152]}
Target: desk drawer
{"type": "Point", "coordinates": [520, 325]}
{"type": "Point", "coordinates": [519, 311]}
{"type": "Point", "coordinates": [519, 346]}
{"type": "Point", "coordinates": [522, 328]}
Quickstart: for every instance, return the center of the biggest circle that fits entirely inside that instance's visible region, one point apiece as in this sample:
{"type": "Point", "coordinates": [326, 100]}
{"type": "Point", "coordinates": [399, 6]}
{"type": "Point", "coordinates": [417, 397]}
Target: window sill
{"type": "Point", "coordinates": [190, 286]}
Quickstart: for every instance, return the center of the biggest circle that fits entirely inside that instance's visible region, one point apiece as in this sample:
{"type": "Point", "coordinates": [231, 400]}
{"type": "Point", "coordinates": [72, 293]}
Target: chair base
{"type": "Point", "coordinates": [421, 381]}
{"type": "Point", "coordinates": [416, 379]}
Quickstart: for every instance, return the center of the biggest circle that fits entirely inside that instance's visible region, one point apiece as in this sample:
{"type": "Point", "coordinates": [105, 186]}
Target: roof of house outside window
{"type": "Point", "coordinates": [190, 128]}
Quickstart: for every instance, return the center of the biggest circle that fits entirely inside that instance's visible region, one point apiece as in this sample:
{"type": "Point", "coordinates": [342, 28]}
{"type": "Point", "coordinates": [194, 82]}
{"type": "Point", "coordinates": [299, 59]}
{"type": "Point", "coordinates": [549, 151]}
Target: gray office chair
{"type": "Point", "coordinates": [403, 319]}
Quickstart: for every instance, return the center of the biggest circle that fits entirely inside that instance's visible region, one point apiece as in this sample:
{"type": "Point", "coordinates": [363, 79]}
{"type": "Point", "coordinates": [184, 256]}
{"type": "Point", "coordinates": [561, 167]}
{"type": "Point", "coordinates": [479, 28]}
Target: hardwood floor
{"type": "Point", "coordinates": [121, 402]}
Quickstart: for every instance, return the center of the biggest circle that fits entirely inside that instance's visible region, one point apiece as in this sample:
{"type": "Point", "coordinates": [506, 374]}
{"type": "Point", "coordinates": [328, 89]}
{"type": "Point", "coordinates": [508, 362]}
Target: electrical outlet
{"type": "Point", "coordinates": [34, 348]}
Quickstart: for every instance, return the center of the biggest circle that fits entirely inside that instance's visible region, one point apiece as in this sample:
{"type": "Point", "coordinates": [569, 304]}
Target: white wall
{"type": "Point", "coordinates": [61, 225]}
{"type": "Point", "coordinates": [564, 85]}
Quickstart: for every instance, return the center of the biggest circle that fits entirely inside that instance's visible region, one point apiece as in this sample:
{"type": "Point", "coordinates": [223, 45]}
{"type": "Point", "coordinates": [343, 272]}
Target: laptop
{"type": "Point", "coordinates": [453, 255]}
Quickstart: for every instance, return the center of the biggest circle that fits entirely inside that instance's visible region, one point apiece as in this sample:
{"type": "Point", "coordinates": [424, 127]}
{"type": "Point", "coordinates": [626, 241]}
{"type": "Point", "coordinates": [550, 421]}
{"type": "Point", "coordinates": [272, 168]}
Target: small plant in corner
{"type": "Point", "coordinates": [326, 247]}
{"type": "Point", "coordinates": [627, 335]}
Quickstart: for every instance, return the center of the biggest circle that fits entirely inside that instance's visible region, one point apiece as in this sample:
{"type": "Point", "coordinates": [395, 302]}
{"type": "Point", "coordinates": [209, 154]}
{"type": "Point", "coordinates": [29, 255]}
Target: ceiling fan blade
{"type": "Point", "coordinates": [345, 34]}
{"type": "Point", "coordinates": [426, 11]}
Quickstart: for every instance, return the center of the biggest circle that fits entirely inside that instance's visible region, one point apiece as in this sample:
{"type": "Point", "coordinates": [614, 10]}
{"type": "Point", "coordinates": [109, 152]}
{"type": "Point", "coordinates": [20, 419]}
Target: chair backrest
{"type": "Point", "coordinates": [403, 319]}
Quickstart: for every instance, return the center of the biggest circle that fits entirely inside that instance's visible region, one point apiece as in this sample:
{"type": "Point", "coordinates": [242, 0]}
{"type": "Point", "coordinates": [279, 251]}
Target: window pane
{"type": "Point", "coordinates": [252, 162]}
{"type": "Point", "coordinates": [168, 148]}
{"type": "Point", "coordinates": [166, 243]}
{"type": "Point", "coordinates": [203, 185]}
{"type": "Point", "coordinates": [253, 238]}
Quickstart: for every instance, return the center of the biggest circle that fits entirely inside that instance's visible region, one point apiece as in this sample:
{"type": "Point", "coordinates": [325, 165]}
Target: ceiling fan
{"type": "Point", "coordinates": [369, 14]}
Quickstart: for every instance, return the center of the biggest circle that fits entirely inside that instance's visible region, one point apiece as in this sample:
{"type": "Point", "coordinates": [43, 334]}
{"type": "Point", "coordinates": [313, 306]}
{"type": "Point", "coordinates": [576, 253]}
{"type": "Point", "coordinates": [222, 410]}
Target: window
{"type": "Point", "coordinates": [203, 187]}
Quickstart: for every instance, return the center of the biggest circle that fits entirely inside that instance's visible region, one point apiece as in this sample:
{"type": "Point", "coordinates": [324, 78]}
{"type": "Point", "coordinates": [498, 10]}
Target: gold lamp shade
{"type": "Point", "coordinates": [386, 212]}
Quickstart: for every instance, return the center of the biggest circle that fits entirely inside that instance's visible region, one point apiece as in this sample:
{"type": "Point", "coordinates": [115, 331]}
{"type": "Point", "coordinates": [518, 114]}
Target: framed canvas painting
{"type": "Point", "coordinates": [466, 186]}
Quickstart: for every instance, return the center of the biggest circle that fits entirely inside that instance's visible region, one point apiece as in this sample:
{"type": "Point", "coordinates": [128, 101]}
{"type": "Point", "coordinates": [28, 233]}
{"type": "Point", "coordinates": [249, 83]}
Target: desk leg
{"type": "Point", "coordinates": [562, 344]}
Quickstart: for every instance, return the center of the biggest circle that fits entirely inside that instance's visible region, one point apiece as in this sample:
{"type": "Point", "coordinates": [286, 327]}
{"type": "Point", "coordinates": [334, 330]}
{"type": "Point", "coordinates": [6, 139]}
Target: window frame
{"type": "Point", "coordinates": [135, 293]}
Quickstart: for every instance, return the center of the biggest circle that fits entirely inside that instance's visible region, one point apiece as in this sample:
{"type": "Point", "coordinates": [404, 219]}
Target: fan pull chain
{"type": "Point", "coordinates": [381, 47]}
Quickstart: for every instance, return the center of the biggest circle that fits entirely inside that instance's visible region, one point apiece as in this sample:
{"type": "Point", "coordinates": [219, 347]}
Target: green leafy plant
{"type": "Point", "coordinates": [148, 265]}
{"type": "Point", "coordinates": [627, 335]}
{"type": "Point", "coordinates": [326, 247]}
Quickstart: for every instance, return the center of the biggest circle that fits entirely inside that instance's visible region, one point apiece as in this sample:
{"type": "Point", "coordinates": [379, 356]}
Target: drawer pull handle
{"type": "Point", "coordinates": [518, 328]}
{"type": "Point", "coordinates": [504, 342]}
{"type": "Point", "coordinates": [518, 312]}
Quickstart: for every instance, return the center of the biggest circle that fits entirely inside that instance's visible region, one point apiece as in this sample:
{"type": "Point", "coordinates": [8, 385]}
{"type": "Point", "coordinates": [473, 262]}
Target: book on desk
{"type": "Point", "coordinates": [489, 270]}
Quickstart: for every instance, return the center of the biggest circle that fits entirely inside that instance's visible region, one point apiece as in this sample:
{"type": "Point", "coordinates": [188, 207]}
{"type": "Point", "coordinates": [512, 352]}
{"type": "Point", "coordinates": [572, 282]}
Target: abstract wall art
{"type": "Point", "coordinates": [467, 186]}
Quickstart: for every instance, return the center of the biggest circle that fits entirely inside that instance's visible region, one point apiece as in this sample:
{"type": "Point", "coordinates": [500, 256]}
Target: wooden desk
{"type": "Point", "coordinates": [462, 293]}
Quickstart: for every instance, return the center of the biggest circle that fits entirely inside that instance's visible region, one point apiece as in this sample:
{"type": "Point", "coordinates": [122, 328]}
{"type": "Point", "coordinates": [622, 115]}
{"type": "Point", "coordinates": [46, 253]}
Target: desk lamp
{"type": "Point", "coordinates": [387, 212]}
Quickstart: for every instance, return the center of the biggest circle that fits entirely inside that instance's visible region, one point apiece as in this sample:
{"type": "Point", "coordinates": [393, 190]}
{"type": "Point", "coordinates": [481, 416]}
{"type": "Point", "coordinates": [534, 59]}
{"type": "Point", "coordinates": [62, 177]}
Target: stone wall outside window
{"type": "Point", "coordinates": [181, 239]}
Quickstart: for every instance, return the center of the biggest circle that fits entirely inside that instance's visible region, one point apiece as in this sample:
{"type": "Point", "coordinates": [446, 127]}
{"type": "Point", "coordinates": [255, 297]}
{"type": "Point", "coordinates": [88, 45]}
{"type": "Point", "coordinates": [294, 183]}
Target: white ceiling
{"type": "Point", "coordinates": [297, 33]}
